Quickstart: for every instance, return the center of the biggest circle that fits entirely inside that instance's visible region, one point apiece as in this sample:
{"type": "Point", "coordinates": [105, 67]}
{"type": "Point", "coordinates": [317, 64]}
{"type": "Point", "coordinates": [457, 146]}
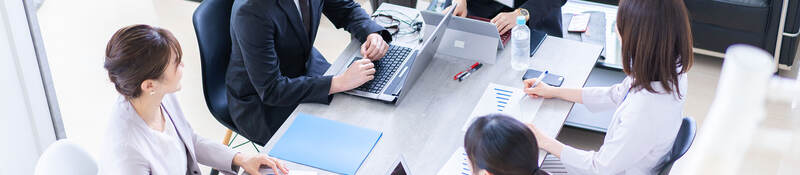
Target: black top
{"type": "Point", "coordinates": [273, 65]}
{"type": "Point", "coordinates": [545, 15]}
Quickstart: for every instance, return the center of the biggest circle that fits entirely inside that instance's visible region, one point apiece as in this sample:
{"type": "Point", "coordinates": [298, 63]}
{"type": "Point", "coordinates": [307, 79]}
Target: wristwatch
{"type": "Point", "coordinates": [524, 12]}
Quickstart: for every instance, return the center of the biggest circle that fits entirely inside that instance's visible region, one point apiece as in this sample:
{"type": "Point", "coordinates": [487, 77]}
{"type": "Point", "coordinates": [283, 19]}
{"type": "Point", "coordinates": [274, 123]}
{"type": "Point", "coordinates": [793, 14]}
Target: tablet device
{"type": "Point", "coordinates": [399, 167]}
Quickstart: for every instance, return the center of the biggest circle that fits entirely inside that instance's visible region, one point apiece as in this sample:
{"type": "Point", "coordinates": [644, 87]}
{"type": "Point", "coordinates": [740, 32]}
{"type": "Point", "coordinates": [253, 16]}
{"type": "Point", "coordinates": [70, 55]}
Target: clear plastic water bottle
{"type": "Point", "coordinates": [520, 45]}
{"type": "Point", "coordinates": [440, 5]}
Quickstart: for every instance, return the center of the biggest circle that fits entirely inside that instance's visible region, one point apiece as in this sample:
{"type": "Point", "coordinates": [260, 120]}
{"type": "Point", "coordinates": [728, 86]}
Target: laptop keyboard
{"type": "Point", "coordinates": [385, 68]}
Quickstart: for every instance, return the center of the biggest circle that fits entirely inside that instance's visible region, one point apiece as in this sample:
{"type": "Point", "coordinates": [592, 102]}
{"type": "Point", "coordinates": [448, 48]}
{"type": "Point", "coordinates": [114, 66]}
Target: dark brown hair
{"type": "Point", "coordinates": [656, 42]}
{"type": "Point", "coordinates": [502, 145]}
{"type": "Point", "coordinates": [137, 53]}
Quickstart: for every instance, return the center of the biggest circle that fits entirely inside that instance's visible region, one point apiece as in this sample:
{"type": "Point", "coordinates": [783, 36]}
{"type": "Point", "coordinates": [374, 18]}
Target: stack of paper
{"type": "Point", "coordinates": [506, 100]}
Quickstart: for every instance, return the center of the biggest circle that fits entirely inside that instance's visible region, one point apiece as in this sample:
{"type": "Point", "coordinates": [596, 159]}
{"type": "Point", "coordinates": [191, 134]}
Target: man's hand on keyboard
{"type": "Point", "coordinates": [357, 74]}
{"type": "Point", "coordinates": [375, 47]}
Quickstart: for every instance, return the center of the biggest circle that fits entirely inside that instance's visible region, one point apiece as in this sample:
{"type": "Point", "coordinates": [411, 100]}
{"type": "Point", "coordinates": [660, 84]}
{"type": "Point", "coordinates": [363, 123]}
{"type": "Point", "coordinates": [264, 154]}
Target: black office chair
{"type": "Point", "coordinates": [682, 143]}
{"type": "Point", "coordinates": [212, 25]}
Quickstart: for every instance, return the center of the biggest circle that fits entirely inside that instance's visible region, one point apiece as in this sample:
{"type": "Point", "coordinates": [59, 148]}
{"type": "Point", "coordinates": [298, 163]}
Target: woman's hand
{"type": "Point", "coordinates": [461, 8]}
{"type": "Point", "coordinates": [252, 162]}
{"type": "Point", "coordinates": [545, 142]}
{"type": "Point", "coordinates": [542, 90]}
{"type": "Point", "coordinates": [505, 21]}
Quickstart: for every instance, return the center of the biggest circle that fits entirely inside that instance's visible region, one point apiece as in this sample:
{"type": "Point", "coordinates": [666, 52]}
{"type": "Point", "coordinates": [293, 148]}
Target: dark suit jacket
{"type": "Point", "coordinates": [545, 14]}
{"type": "Point", "coordinates": [273, 65]}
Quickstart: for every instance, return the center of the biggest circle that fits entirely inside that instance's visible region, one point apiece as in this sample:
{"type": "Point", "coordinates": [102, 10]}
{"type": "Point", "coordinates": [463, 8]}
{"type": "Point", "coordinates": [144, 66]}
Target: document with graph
{"type": "Point", "coordinates": [506, 100]}
{"type": "Point", "coordinates": [458, 164]}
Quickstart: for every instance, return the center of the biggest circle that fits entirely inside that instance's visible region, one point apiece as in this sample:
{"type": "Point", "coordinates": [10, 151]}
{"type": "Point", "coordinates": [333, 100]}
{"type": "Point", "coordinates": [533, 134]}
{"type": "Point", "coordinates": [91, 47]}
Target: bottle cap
{"type": "Point", "coordinates": [520, 20]}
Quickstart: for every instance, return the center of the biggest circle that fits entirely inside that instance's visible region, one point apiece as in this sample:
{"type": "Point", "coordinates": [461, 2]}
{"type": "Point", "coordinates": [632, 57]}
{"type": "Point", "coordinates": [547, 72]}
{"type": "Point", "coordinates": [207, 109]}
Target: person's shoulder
{"type": "Point", "coordinates": [122, 127]}
{"type": "Point", "coordinates": [254, 5]}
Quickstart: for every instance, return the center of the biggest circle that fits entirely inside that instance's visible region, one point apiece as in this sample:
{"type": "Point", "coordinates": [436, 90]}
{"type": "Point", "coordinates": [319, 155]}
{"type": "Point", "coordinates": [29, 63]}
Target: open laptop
{"type": "Point", "coordinates": [475, 38]}
{"type": "Point", "coordinates": [397, 71]}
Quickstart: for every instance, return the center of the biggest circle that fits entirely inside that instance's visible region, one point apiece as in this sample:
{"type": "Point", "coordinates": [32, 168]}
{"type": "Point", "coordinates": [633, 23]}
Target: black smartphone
{"type": "Point", "coordinates": [551, 79]}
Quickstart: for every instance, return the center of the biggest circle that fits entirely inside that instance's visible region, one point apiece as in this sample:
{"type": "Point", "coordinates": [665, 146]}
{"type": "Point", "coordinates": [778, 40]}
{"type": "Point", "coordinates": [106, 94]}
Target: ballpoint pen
{"type": "Point", "coordinates": [538, 80]}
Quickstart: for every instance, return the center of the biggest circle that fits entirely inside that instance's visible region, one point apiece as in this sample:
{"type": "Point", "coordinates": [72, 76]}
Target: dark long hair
{"type": "Point", "coordinates": [502, 145]}
{"type": "Point", "coordinates": [656, 42]}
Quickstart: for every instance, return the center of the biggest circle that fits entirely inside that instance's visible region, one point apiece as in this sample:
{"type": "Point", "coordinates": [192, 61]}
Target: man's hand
{"type": "Point", "coordinates": [374, 48]}
{"type": "Point", "coordinates": [461, 8]}
{"type": "Point", "coordinates": [252, 162]}
{"type": "Point", "coordinates": [505, 21]}
{"type": "Point", "coordinates": [358, 73]}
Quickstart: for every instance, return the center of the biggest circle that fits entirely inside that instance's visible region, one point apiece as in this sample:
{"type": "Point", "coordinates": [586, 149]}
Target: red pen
{"type": "Point", "coordinates": [460, 74]}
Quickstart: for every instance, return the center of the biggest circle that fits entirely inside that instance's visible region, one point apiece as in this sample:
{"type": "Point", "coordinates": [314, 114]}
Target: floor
{"type": "Point", "coordinates": [75, 33]}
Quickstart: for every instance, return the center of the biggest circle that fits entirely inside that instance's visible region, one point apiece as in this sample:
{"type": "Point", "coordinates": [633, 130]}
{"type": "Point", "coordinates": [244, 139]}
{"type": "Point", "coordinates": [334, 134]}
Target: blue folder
{"type": "Point", "coordinates": [325, 144]}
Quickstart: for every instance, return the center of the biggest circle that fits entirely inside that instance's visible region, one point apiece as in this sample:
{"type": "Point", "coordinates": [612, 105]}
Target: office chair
{"type": "Point", "coordinates": [65, 157]}
{"type": "Point", "coordinates": [682, 143]}
{"type": "Point", "coordinates": [212, 25]}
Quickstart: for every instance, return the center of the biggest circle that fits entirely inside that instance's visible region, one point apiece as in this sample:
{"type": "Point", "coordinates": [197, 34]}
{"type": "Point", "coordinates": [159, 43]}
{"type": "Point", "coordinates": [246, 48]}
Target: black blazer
{"type": "Point", "coordinates": [545, 14]}
{"type": "Point", "coordinates": [274, 66]}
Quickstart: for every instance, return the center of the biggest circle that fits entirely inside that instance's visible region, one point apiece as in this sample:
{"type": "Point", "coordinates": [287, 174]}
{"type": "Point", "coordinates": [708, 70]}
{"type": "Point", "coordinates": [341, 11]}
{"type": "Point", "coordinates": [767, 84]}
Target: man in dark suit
{"type": "Point", "coordinates": [274, 66]}
{"type": "Point", "coordinates": [542, 15]}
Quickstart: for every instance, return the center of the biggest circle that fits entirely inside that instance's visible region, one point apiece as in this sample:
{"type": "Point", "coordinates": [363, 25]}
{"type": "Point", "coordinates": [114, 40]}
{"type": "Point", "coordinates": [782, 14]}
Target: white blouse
{"type": "Point", "coordinates": [169, 145]}
{"type": "Point", "coordinates": [641, 133]}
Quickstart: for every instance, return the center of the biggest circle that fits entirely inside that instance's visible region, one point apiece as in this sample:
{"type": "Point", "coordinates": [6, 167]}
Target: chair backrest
{"type": "Point", "coordinates": [67, 158]}
{"type": "Point", "coordinates": [212, 25]}
{"type": "Point", "coordinates": [682, 143]}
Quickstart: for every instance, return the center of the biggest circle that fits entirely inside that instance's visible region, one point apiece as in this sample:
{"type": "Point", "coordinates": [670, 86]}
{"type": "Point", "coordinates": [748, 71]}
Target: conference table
{"type": "Point", "coordinates": [426, 126]}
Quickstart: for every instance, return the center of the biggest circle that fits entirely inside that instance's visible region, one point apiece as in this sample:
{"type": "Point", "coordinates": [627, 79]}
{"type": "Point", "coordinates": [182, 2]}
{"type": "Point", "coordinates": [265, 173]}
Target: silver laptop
{"type": "Point", "coordinates": [397, 71]}
{"type": "Point", "coordinates": [467, 38]}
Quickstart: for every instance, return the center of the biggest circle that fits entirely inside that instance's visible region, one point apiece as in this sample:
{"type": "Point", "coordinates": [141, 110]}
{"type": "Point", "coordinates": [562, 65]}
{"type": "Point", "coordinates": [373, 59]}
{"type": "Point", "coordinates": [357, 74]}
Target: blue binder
{"type": "Point", "coordinates": [325, 144]}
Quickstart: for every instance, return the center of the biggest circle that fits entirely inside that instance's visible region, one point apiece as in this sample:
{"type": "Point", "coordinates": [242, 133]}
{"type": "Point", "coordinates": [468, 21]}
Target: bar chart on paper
{"type": "Point", "coordinates": [505, 100]}
{"type": "Point", "coordinates": [458, 164]}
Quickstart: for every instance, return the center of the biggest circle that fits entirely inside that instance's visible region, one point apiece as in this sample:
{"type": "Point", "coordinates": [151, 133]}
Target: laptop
{"type": "Point", "coordinates": [475, 38]}
{"type": "Point", "coordinates": [397, 71]}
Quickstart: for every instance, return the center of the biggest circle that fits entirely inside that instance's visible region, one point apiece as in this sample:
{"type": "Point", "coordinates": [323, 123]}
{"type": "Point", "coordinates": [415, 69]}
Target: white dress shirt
{"type": "Point", "coordinates": [300, 12]}
{"type": "Point", "coordinates": [641, 133]}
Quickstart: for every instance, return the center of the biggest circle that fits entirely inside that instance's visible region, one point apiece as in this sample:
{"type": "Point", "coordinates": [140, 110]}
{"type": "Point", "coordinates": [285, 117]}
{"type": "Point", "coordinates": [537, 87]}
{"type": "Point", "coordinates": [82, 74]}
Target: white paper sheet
{"type": "Point", "coordinates": [458, 164]}
{"type": "Point", "coordinates": [506, 100]}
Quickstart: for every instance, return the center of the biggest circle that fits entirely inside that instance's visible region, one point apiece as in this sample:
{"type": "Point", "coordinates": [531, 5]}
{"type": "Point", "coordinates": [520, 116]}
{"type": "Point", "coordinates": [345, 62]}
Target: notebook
{"type": "Point", "coordinates": [325, 144]}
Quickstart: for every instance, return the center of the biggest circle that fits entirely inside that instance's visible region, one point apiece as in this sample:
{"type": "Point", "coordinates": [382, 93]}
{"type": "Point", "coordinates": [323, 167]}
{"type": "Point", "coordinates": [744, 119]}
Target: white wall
{"type": "Point", "coordinates": [25, 124]}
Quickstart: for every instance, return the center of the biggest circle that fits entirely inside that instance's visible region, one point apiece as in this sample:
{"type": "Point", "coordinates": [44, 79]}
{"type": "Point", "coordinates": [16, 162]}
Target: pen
{"type": "Point", "coordinates": [465, 75]}
{"type": "Point", "coordinates": [460, 74]}
{"type": "Point", "coordinates": [538, 80]}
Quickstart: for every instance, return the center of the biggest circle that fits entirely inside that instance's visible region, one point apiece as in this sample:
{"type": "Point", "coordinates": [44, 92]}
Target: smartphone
{"type": "Point", "coordinates": [551, 79]}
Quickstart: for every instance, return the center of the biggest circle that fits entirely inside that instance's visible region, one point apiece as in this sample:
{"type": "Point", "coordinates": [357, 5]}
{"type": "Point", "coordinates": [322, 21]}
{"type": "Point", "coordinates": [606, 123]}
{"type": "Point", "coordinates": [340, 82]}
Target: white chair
{"type": "Point", "coordinates": [66, 158]}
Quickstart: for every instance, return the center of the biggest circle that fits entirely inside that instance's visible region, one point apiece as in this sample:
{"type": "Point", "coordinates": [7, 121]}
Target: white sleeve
{"type": "Point", "coordinates": [629, 144]}
{"type": "Point", "coordinates": [598, 99]}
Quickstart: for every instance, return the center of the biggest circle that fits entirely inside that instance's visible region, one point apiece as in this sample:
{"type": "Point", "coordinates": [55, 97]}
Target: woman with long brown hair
{"type": "Point", "coordinates": [656, 55]}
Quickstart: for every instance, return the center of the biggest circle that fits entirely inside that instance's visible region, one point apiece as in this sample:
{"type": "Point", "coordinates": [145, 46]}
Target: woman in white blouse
{"type": "Point", "coordinates": [657, 53]}
{"type": "Point", "coordinates": [147, 132]}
